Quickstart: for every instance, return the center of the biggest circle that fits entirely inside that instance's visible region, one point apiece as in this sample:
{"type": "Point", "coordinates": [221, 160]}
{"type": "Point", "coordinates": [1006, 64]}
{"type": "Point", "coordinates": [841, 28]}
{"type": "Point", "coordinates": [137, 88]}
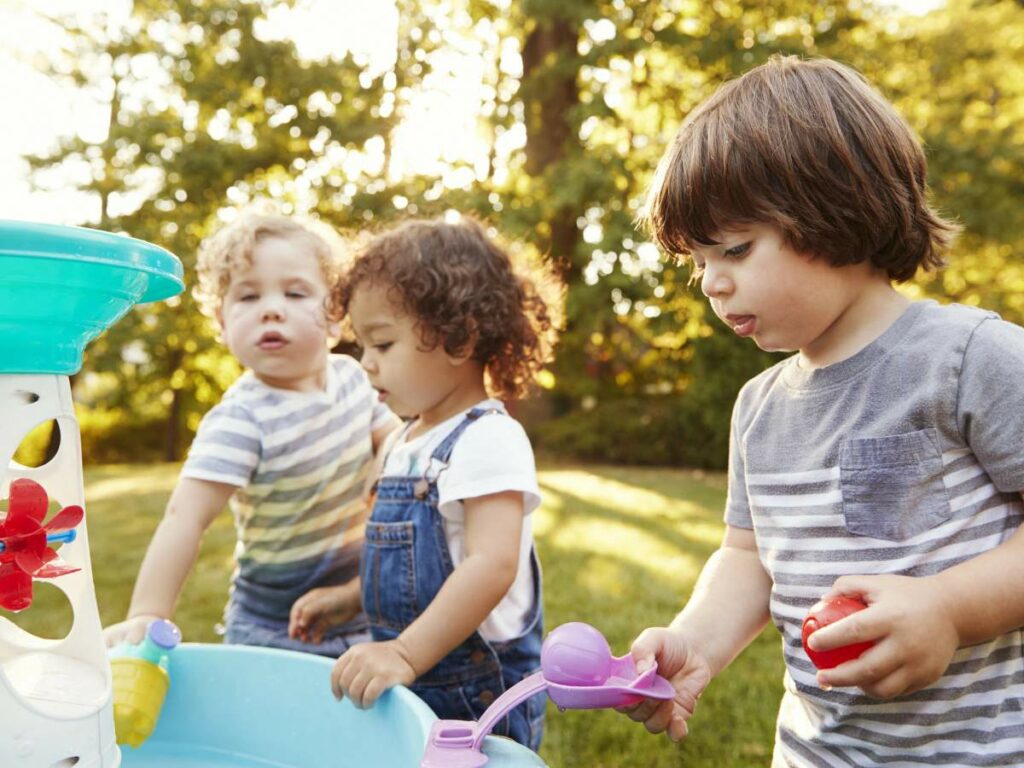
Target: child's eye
{"type": "Point", "coordinates": [248, 297]}
{"type": "Point", "coordinates": [382, 347]}
{"type": "Point", "coordinates": [296, 295]}
{"type": "Point", "coordinates": [737, 250]}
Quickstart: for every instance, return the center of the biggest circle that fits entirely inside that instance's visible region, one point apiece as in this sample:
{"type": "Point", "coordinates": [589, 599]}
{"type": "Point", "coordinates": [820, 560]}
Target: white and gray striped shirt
{"type": "Point", "coordinates": [904, 459]}
{"type": "Point", "coordinates": [299, 460]}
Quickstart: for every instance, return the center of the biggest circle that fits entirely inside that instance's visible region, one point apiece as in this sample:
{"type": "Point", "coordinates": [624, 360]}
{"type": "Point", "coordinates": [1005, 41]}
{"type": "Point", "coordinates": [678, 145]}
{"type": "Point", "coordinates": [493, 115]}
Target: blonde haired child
{"type": "Point", "coordinates": [288, 447]}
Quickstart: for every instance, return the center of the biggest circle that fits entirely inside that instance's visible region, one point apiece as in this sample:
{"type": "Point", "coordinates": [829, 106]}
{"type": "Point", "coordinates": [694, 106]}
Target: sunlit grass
{"type": "Point", "coordinates": [620, 547]}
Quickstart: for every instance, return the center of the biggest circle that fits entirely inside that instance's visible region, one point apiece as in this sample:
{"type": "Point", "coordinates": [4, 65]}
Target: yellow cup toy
{"type": "Point", "coordinates": [140, 682]}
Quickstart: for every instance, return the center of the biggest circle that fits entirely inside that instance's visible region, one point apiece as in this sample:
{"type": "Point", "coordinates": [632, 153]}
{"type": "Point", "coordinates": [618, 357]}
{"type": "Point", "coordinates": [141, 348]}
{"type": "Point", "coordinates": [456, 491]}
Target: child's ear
{"type": "Point", "coordinates": [466, 353]}
{"type": "Point", "coordinates": [461, 357]}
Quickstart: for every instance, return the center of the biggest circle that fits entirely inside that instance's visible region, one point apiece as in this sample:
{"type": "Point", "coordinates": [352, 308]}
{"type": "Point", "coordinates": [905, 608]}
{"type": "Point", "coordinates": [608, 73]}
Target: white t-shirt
{"type": "Point", "coordinates": [492, 455]}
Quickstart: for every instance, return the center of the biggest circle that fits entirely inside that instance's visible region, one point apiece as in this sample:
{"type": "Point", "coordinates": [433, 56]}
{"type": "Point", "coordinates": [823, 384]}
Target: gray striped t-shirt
{"type": "Point", "coordinates": [906, 458]}
{"type": "Point", "coordinates": [299, 460]}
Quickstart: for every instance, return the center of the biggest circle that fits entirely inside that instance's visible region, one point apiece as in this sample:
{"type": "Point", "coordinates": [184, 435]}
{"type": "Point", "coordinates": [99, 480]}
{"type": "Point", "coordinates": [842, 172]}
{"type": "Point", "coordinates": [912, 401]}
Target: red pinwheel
{"type": "Point", "coordinates": [25, 554]}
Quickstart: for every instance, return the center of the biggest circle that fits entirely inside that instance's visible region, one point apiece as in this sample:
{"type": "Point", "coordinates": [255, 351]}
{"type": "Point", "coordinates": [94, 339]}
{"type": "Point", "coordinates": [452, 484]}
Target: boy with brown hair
{"type": "Point", "coordinates": [882, 461]}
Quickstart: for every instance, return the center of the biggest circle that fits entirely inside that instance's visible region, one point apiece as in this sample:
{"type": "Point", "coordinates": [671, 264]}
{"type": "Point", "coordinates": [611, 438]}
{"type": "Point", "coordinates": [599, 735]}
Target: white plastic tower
{"type": "Point", "coordinates": [55, 695]}
{"type": "Point", "coordinates": [60, 287]}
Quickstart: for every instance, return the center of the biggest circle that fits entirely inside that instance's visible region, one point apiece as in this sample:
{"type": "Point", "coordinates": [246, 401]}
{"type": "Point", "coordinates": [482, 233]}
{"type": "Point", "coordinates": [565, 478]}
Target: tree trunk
{"type": "Point", "coordinates": [172, 435]}
{"type": "Point", "coordinates": [549, 94]}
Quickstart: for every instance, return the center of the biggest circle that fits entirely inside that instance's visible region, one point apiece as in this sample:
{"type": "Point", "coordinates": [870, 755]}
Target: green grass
{"type": "Point", "coordinates": [620, 547]}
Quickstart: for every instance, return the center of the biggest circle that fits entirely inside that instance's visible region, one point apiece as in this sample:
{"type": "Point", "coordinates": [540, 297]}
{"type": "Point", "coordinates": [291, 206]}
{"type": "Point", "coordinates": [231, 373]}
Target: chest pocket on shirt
{"type": "Point", "coordinates": [892, 486]}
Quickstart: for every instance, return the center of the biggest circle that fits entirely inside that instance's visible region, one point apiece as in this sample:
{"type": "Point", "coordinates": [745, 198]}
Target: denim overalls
{"type": "Point", "coordinates": [405, 562]}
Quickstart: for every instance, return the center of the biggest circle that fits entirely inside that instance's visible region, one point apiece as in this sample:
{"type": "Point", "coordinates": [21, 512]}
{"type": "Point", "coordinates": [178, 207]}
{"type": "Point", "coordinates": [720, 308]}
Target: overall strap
{"type": "Point", "coordinates": [439, 458]}
{"type": "Point", "coordinates": [443, 452]}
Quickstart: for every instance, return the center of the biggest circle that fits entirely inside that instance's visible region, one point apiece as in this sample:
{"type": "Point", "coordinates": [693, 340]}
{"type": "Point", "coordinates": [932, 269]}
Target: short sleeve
{"type": "Point", "coordinates": [990, 401]}
{"type": "Point", "coordinates": [493, 455]}
{"type": "Point", "coordinates": [737, 506]}
{"type": "Point", "coordinates": [227, 446]}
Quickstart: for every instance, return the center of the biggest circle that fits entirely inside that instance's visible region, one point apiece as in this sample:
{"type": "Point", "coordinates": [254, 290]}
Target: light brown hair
{"type": "Point", "coordinates": [809, 147]}
{"type": "Point", "coordinates": [229, 250]}
{"type": "Point", "coordinates": [462, 288]}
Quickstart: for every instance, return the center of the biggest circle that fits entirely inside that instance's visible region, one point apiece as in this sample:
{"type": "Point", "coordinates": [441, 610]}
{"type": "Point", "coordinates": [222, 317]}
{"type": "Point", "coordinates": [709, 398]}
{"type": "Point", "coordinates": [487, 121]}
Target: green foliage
{"type": "Point", "coordinates": [205, 113]}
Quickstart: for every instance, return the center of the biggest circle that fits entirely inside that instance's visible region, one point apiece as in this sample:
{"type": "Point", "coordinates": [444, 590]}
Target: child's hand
{"type": "Point", "coordinates": [366, 670]}
{"type": "Point", "coordinates": [911, 625]}
{"type": "Point", "coordinates": [683, 666]}
{"type": "Point", "coordinates": [131, 630]}
{"type": "Point", "coordinates": [322, 608]}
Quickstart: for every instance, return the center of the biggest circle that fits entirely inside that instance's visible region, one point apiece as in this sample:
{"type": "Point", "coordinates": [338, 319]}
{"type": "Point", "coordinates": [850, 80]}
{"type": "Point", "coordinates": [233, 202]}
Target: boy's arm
{"type": "Point", "coordinates": [729, 604]}
{"type": "Point", "coordinates": [494, 526]}
{"type": "Point", "coordinates": [985, 595]}
{"type": "Point", "coordinates": [917, 624]}
{"type": "Point", "coordinates": [192, 507]}
{"type": "Point", "coordinates": [727, 610]}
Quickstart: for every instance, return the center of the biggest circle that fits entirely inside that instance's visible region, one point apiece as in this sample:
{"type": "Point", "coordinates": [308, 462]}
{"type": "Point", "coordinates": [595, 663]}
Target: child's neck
{"type": "Point", "coordinates": [466, 392]}
{"type": "Point", "coordinates": [876, 308]}
{"type": "Point", "coordinates": [313, 381]}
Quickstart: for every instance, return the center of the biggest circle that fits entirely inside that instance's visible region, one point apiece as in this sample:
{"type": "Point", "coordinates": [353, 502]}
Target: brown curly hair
{"type": "Point", "coordinates": [462, 288]}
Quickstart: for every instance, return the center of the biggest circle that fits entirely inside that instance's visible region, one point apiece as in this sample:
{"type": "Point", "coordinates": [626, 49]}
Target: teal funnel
{"type": "Point", "coordinates": [60, 287]}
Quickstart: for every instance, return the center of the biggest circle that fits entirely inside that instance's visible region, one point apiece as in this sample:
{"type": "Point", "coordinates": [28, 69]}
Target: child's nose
{"type": "Point", "coordinates": [272, 310]}
{"type": "Point", "coordinates": [715, 283]}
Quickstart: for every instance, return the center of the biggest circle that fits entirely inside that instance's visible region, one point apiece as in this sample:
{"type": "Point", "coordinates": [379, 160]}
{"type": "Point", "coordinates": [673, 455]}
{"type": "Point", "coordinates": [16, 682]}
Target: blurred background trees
{"type": "Point", "coordinates": [573, 105]}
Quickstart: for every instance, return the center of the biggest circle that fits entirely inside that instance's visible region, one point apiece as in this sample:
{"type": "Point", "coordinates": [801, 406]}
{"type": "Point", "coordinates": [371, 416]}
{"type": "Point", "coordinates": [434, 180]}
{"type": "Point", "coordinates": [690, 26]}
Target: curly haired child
{"type": "Point", "coordinates": [289, 447]}
{"type": "Point", "coordinates": [450, 579]}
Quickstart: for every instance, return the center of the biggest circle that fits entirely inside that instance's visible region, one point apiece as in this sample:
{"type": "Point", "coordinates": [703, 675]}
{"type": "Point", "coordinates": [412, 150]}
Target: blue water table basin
{"type": "Point", "coordinates": [249, 707]}
{"type": "Point", "coordinates": [62, 286]}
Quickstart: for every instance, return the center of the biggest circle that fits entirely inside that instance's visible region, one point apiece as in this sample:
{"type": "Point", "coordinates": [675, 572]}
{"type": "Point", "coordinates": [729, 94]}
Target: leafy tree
{"type": "Point", "coordinates": [236, 117]}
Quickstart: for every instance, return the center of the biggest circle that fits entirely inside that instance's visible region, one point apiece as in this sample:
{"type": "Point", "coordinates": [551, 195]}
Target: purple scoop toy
{"type": "Point", "coordinates": [578, 671]}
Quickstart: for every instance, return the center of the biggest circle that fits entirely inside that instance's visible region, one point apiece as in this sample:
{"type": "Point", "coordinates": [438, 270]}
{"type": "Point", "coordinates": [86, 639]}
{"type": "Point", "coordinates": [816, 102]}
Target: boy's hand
{"type": "Point", "coordinates": [687, 670]}
{"type": "Point", "coordinates": [132, 630]}
{"type": "Point", "coordinates": [911, 624]}
{"type": "Point", "coordinates": [366, 670]}
{"type": "Point", "coordinates": [322, 608]}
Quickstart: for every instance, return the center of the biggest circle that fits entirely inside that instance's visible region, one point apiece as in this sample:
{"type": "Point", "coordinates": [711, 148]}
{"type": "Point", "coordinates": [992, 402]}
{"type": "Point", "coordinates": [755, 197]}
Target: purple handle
{"type": "Point", "coordinates": [505, 703]}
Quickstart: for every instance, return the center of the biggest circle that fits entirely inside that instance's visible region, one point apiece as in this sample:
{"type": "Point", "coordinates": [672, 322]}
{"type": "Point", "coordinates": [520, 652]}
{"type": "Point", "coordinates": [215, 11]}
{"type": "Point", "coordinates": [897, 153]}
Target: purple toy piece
{"type": "Point", "coordinates": [578, 671]}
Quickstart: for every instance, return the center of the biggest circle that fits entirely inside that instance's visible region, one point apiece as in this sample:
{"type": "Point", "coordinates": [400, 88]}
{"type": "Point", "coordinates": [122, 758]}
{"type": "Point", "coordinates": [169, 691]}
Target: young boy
{"type": "Point", "coordinates": [289, 446]}
{"type": "Point", "coordinates": [882, 461]}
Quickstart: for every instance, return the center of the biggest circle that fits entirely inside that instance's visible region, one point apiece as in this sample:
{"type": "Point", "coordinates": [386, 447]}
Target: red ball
{"type": "Point", "coordinates": [821, 615]}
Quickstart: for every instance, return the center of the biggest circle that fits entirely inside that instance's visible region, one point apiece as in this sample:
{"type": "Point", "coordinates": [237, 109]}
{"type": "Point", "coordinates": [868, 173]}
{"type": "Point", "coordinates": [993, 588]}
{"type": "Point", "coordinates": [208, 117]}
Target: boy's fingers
{"type": "Point", "coordinates": [645, 649]}
{"type": "Point", "coordinates": [855, 628]}
{"type": "Point", "coordinates": [677, 728]}
{"type": "Point", "coordinates": [660, 719]}
{"type": "Point", "coordinates": [373, 691]}
{"type": "Point", "coordinates": [873, 665]}
{"type": "Point", "coordinates": [357, 689]}
{"type": "Point", "coordinates": [338, 674]}
{"type": "Point", "coordinates": [643, 711]}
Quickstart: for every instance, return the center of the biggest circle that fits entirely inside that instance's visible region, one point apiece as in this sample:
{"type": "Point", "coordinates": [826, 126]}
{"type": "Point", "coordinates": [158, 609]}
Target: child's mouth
{"type": "Point", "coordinates": [271, 340]}
{"type": "Point", "coordinates": [742, 325]}
{"type": "Point", "coordinates": [382, 395]}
